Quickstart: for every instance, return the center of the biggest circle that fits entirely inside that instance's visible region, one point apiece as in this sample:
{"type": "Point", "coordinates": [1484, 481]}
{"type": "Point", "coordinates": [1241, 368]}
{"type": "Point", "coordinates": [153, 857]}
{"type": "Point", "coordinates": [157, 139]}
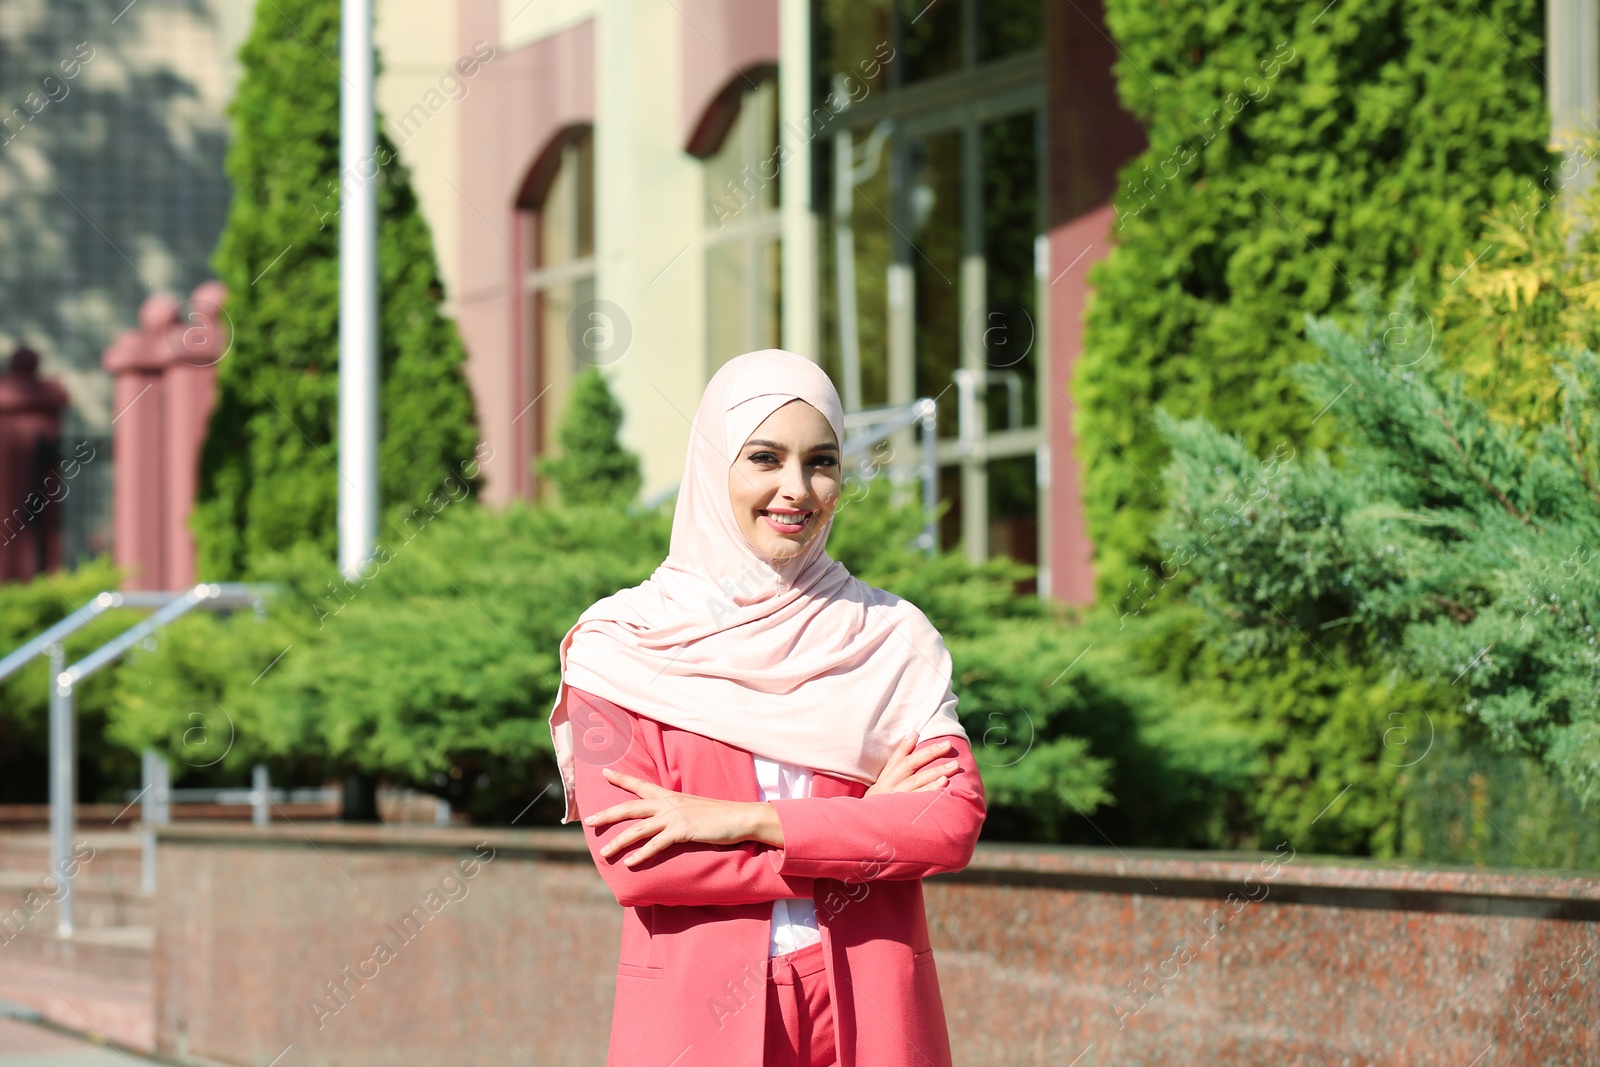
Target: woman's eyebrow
{"type": "Point", "coordinates": [764, 443]}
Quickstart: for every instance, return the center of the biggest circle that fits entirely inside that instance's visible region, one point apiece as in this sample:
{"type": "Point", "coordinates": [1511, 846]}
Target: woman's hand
{"type": "Point", "coordinates": [669, 818]}
{"type": "Point", "coordinates": [907, 770]}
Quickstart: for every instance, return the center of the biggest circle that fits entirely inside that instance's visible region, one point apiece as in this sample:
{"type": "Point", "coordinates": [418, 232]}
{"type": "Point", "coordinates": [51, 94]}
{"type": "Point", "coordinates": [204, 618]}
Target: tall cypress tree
{"type": "Point", "coordinates": [267, 474]}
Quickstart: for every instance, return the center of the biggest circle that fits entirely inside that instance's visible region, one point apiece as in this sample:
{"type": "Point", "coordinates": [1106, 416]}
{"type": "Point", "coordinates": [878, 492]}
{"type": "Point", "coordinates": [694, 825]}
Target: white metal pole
{"type": "Point", "coordinates": [260, 794]}
{"type": "Point", "coordinates": [358, 291]}
{"type": "Point", "coordinates": [930, 475]}
{"type": "Point", "coordinates": [844, 266]}
{"type": "Point", "coordinates": [796, 134]}
{"type": "Point", "coordinates": [157, 784]}
{"type": "Point", "coordinates": [63, 785]}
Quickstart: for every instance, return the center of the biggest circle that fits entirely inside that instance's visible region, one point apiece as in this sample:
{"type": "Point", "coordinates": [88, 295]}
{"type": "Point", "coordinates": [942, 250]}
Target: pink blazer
{"type": "Point", "coordinates": [691, 979]}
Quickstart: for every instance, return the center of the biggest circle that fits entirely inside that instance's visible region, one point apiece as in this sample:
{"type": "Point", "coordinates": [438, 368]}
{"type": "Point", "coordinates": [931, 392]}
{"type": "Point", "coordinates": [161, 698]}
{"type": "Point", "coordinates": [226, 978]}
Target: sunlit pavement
{"type": "Point", "coordinates": [51, 1017]}
{"type": "Point", "coordinates": [29, 1044]}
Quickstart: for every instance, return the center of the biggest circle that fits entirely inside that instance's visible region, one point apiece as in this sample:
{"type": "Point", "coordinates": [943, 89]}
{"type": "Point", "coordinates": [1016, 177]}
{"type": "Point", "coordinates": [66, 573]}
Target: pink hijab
{"type": "Point", "coordinates": [795, 660]}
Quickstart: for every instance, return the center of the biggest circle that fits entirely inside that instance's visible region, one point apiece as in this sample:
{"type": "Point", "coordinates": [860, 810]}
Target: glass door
{"type": "Point", "coordinates": [934, 293]}
{"type": "Point", "coordinates": [932, 175]}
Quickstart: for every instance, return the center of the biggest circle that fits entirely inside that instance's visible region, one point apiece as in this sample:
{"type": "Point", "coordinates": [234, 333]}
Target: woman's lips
{"type": "Point", "coordinates": [787, 522]}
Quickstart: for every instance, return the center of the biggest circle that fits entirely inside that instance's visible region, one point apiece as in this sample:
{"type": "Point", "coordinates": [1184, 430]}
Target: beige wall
{"type": "Point", "coordinates": [650, 200]}
{"type": "Point", "coordinates": [650, 233]}
{"type": "Point", "coordinates": [418, 48]}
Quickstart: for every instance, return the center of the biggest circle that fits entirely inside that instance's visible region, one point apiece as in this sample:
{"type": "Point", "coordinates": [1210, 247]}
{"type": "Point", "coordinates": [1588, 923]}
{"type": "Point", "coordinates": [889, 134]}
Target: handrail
{"type": "Point", "coordinates": [63, 741]}
{"type": "Point", "coordinates": [74, 622]}
{"type": "Point", "coordinates": [217, 596]}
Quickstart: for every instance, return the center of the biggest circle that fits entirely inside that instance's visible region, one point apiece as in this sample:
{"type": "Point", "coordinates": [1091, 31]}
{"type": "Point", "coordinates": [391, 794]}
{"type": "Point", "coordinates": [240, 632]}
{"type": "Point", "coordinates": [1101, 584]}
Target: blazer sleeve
{"type": "Point", "coordinates": [684, 874]}
{"type": "Point", "coordinates": [887, 835]}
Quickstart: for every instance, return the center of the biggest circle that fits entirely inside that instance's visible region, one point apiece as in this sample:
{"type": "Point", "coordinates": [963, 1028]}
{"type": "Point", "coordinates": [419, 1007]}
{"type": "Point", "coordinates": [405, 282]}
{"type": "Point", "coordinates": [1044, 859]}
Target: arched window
{"type": "Point", "coordinates": [744, 290]}
{"type": "Point", "coordinates": [558, 198]}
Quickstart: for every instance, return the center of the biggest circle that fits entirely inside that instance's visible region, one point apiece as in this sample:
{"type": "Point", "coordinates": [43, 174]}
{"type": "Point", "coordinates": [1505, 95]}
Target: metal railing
{"type": "Point", "coordinates": [156, 797]}
{"type": "Point", "coordinates": [879, 424]}
{"type": "Point", "coordinates": [64, 680]}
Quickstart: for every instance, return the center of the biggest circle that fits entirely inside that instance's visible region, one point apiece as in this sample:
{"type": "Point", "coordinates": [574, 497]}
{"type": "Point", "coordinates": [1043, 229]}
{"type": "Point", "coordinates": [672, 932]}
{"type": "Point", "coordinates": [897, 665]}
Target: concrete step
{"type": "Point", "coordinates": [113, 952]}
{"type": "Point", "coordinates": [92, 905]}
{"type": "Point", "coordinates": [110, 860]}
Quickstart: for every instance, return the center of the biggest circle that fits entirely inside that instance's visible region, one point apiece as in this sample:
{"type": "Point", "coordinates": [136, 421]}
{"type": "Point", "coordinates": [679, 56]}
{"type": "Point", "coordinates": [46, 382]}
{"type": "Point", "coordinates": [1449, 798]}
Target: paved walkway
{"type": "Point", "coordinates": [110, 1009]}
{"type": "Point", "coordinates": [27, 1044]}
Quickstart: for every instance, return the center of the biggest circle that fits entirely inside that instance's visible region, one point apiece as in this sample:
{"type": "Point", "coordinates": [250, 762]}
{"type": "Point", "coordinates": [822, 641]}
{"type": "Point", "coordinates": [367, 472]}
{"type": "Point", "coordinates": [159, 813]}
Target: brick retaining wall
{"type": "Point", "coordinates": [1046, 955]}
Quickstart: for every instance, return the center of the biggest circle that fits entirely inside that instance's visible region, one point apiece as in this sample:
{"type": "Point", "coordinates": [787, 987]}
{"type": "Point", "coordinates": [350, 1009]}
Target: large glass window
{"type": "Point", "coordinates": [744, 290]}
{"type": "Point", "coordinates": [931, 182]}
{"type": "Point", "coordinates": [560, 284]}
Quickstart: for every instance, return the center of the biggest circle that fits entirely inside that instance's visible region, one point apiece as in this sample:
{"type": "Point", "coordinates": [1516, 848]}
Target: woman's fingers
{"type": "Point", "coordinates": [629, 836]}
{"type": "Point", "coordinates": [615, 813]}
{"type": "Point", "coordinates": [936, 776]}
{"type": "Point", "coordinates": [633, 784]}
{"type": "Point", "coordinates": [650, 848]}
{"type": "Point", "coordinates": [912, 762]}
{"type": "Point", "coordinates": [663, 821]}
{"type": "Point", "coordinates": [661, 833]}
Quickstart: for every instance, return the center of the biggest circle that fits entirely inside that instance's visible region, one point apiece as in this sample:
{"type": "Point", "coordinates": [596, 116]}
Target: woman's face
{"type": "Point", "coordinates": [784, 483]}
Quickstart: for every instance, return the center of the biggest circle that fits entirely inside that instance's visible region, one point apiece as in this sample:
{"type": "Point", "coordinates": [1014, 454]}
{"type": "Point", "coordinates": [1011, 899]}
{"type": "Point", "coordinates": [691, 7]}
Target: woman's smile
{"type": "Point", "coordinates": [786, 521]}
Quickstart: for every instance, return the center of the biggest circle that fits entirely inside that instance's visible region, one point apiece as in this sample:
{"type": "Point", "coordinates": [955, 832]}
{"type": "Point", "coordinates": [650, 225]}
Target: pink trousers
{"type": "Point", "coordinates": [799, 1011]}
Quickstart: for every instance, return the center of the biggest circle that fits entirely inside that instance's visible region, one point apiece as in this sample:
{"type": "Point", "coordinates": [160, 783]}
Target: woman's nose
{"type": "Point", "coordinates": [793, 485]}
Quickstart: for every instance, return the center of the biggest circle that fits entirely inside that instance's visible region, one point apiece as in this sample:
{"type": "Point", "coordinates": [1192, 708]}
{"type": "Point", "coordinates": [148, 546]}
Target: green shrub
{"type": "Point", "coordinates": [1467, 803]}
{"type": "Point", "coordinates": [1443, 558]}
{"type": "Point", "coordinates": [1523, 292]}
{"type": "Point", "coordinates": [435, 667]}
{"type": "Point", "coordinates": [1081, 726]}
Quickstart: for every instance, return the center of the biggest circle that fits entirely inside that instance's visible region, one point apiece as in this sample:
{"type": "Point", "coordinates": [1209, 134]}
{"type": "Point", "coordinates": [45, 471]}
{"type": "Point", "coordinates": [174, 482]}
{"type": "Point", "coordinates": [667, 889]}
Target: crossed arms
{"type": "Point", "coordinates": [901, 835]}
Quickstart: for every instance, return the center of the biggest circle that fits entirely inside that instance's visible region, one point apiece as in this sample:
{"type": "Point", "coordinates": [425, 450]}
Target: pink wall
{"type": "Point", "coordinates": [1090, 137]}
{"type": "Point", "coordinates": [533, 95]}
{"type": "Point", "coordinates": [741, 34]}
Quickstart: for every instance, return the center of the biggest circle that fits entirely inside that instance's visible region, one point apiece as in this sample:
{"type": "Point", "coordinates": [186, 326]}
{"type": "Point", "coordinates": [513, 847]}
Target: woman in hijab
{"type": "Point", "coordinates": [767, 760]}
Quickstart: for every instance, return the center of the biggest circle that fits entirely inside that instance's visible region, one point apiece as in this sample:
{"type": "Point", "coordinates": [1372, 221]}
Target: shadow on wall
{"type": "Point", "coordinates": [111, 172]}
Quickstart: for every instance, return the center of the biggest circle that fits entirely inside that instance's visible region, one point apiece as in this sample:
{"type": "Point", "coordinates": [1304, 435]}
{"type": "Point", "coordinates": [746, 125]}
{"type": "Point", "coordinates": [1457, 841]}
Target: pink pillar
{"type": "Point", "coordinates": [166, 374]}
{"type": "Point", "coordinates": [135, 359]}
{"type": "Point", "coordinates": [1077, 245]}
{"type": "Point", "coordinates": [190, 353]}
{"type": "Point", "coordinates": [30, 495]}
{"type": "Point", "coordinates": [1089, 138]}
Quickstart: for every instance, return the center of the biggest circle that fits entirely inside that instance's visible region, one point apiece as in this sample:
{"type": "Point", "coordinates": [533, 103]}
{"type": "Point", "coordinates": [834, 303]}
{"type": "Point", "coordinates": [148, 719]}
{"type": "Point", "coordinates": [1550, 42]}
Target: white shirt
{"type": "Point", "coordinates": [794, 921]}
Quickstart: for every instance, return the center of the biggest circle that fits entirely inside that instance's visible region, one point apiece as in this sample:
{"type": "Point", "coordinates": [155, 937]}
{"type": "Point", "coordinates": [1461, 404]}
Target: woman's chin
{"type": "Point", "coordinates": [776, 546]}
{"type": "Point", "coordinates": [781, 547]}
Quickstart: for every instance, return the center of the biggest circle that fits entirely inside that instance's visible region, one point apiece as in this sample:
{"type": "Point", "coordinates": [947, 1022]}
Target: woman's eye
{"type": "Point", "coordinates": [826, 461]}
{"type": "Point", "coordinates": [763, 457]}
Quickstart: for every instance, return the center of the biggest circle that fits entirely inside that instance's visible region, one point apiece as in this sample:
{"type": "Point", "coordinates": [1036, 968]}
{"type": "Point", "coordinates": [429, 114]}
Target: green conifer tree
{"type": "Point", "coordinates": [1443, 546]}
{"type": "Point", "coordinates": [593, 467]}
{"type": "Point", "coordinates": [268, 478]}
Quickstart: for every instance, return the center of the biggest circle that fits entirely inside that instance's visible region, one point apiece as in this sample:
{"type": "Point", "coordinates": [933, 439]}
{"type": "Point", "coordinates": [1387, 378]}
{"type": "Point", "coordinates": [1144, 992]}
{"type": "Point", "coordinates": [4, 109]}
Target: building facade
{"type": "Point", "coordinates": [909, 193]}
